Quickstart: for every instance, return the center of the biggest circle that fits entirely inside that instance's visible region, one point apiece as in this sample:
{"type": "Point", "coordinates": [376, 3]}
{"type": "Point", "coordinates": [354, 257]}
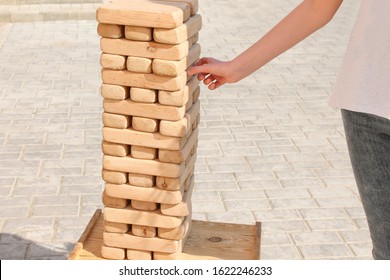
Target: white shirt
{"type": "Point", "coordinates": [363, 84]}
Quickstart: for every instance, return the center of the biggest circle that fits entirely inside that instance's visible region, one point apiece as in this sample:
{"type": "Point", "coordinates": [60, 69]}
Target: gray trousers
{"type": "Point", "coordinates": [368, 139]}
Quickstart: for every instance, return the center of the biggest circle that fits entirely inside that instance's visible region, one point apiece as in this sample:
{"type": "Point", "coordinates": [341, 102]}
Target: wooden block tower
{"type": "Point", "coordinates": [150, 118]}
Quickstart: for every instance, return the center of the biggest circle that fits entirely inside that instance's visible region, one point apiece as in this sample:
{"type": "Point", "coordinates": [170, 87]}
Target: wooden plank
{"type": "Point", "coordinates": [206, 241]}
{"type": "Point", "coordinates": [179, 34]}
{"type": "Point", "coordinates": [114, 177]}
{"type": "Point", "coordinates": [176, 233]}
{"type": "Point", "coordinates": [182, 127]}
{"type": "Point", "coordinates": [110, 30]}
{"type": "Point", "coordinates": [139, 64]}
{"type": "Point", "coordinates": [152, 81]}
{"type": "Point", "coordinates": [182, 155]}
{"type": "Point", "coordinates": [143, 95]}
{"type": "Point", "coordinates": [143, 152]}
{"type": "Point", "coordinates": [178, 98]}
{"type": "Point", "coordinates": [138, 255]}
{"type": "Point", "coordinates": [145, 49]}
{"type": "Point", "coordinates": [143, 205]}
{"type": "Point", "coordinates": [113, 61]}
{"type": "Point", "coordinates": [146, 110]}
{"type": "Point", "coordinates": [138, 33]}
{"type": "Point", "coordinates": [183, 208]}
{"type": "Point", "coordinates": [145, 124]}
{"type": "Point", "coordinates": [143, 13]}
{"type": "Point", "coordinates": [139, 138]}
{"type": "Point", "coordinates": [142, 166]}
{"type": "Point", "coordinates": [115, 92]}
{"type": "Point", "coordinates": [116, 121]}
{"type": "Point", "coordinates": [115, 149]}
{"type": "Point", "coordinates": [174, 68]}
{"type": "Point", "coordinates": [143, 231]}
{"type": "Point", "coordinates": [115, 227]}
{"type": "Point", "coordinates": [131, 241]}
{"type": "Point", "coordinates": [113, 253]}
{"type": "Point", "coordinates": [142, 180]}
{"type": "Point", "coordinates": [126, 191]}
{"type": "Point", "coordinates": [132, 216]}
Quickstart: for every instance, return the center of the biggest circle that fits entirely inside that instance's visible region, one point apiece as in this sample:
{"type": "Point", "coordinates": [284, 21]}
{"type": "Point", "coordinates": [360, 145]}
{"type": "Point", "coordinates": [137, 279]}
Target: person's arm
{"type": "Point", "coordinates": [305, 19]}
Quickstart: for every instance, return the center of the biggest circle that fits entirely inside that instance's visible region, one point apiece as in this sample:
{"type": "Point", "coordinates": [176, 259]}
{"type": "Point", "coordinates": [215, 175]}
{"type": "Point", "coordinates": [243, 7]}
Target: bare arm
{"type": "Point", "coordinates": [305, 19]}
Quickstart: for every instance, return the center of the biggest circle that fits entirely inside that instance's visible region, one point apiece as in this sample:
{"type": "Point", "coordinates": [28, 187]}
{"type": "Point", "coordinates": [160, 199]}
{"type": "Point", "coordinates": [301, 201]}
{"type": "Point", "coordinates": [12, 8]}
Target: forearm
{"type": "Point", "coordinates": [308, 17]}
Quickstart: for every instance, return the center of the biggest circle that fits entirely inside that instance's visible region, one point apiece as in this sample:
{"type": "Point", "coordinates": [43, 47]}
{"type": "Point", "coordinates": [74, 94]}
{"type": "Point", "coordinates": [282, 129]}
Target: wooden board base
{"type": "Point", "coordinates": [207, 241]}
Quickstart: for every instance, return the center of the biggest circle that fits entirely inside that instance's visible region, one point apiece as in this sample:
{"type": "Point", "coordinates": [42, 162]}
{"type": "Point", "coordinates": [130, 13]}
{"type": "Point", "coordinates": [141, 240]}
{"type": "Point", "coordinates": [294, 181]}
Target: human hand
{"type": "Point", "coordinates": [213, 72]}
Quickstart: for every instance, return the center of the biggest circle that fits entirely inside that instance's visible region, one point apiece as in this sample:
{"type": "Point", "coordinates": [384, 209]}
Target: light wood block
{"type": "Point", "coordinates": [115, 92]}
{"type": "Point", "coordinates": [143, 13]}
{"type": "Point", "coordinates": [114, 177]}
{"type": "Point", "coordinates": [175, 68]}
{"type": "Point", "coordinates": [143, 231]}
{"type": "Point", "coordinates": [142, 166]}
{"type": "Point", "coordinates": [113, 61]}
{"type": "Point", "coordinates": [115, 149]}
{"type": "Point", "coordinates": [141, 180]}
{"type": "Point", "coordinates": [153, 111]}
{"type": "Point", "coordinates": [110, 30]}
{"type": "Point", "coordinates": [146, 218]}
{"type": "Point", "coordinates": [139, 138]}
{"type": "Point", "coordinates": [139, 64]}
{"type": "Point", "coordinates": [155, 195]}
{"type": "Point", "coordinates": [182, 127]}
{"type": "Point", "coordinates": [178, 98]}
{"type": "Point", "coordinates": [116, 121]}
{"type": "Point", "coordinates": [179, 34]}
{"type": "Point", "coordinates": [140, 243]}
{"type": "Point", "coordinates": [183, 208]}
{"type": "Point", "coordinates": [145, 49]}
{"type": "Point", "coordinates": [115, 227]}
{"type": "Point", "coordinates": [179, 156]}
{"type": "Point", "coordinates": [143, 152]}
{"type": "Point", "coordinates": [143, 95]}
{"type": "Point", "coordinates": [113, 202]}
{"type": "Point", "coordinates": [175, 233]}
{"type": "Point", "coordinates": [138, 33]}
{"type": "Point", "coordinates": [143, 205]}
{"type": "Point", "coordinates": [173, 184]}
{"type": "Point", "coordinates": [138, 255]}
{"type": "Point", "coordinates": [145, 124]}
{"type": "Point", "coordinates": [113, 253]}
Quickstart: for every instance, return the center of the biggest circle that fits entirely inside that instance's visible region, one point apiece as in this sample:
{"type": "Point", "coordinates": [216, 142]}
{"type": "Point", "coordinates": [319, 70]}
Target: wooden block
{"type": "Point", "coordinates": [143, 231]}
{"type": "Point", "coordinates": [155, 195]}
{"type": "Point", "coordinates": [113, 61]}
{"type": "Point", "coordinates": [194, 6]}
{"type": "Point", "coordinates": [182, 127]}
{"type": "Point", "coordinates": [176, 255]}
{"type": "Point", "coordinates": [196, 94]}
{"type": "Point", "coordinates": [115, 227]}
{"type": "Point", "coordinates": [179, 34]}
{"type": "Point", "coordinates": [141, 180]}
{"type": "Point", "coordinates": [139, 138]}
{"type": "Point", "coordinates": [143, 152]}
{"type": "Point", "coordinates": [115, 149]}
{"type": "Point", "coordinates": [152, 111]}
{"type": "Point", "coordinates": [143, 95]}
{"type": "Point", "coordinates": [182, 155]}
{"type": "Point", "coordinates": [113, 202]}
{"type": "Point", "coordinates": [143, 205]}
{"type": "Point", "coordinates": [138, 255]}
{"type": "Point", "coordinates": [140, 243]}
{"type": "Point", "coordinates": [115, 120]}
{"type": "Point", "coordinates": [145, 124]}
{"type": "Point", "coordinates": [138, 33]}
{"type": "Point", "coordinates": [178, 98]}
{"type": "Point", "coordinates": [113, 253]}
{"type": "Point", "coordinates": [143, 13]}
{"type": "Point", "coordinates": [142, 166]}
{"type": "Point", "coordinates": [139, 64]}
{"type": "Point", "coordinates": [146, 218]}
{"type": "Point", "coordinates": [110, 30]}
{"type": "Point", "coordinates": [173, 67]}
{"type": "Point", "coordinates": [115, 92]}
{"type": "Point", "coordinates": [114, 177]}
{"type": "Point", "coordinates": [183, 208]}
{"type": "Point", "coordinates": [175, 233]}
{"type": "Point", "coordinates": [145, 49]}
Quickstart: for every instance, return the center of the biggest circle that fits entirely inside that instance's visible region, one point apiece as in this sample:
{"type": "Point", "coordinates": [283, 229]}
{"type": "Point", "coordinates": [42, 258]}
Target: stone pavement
{"type": "Point", "coordinates": [270, 149]}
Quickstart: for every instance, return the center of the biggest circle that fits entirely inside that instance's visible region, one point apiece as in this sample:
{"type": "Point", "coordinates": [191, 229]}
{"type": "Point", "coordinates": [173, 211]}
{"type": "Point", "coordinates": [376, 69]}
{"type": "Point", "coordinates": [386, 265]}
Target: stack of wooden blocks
{"type": "Point", "coordinates": [151, 113]}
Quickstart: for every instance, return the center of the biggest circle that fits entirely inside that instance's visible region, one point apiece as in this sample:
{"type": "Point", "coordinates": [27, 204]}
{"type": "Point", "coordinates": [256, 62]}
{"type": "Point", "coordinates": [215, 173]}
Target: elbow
{"type": "Point", "coordinates": [323, 11]}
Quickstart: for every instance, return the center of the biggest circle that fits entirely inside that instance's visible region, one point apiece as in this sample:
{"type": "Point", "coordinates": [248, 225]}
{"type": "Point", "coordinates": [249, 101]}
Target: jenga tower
{"type": "Point", "coordinates": [151, 114]}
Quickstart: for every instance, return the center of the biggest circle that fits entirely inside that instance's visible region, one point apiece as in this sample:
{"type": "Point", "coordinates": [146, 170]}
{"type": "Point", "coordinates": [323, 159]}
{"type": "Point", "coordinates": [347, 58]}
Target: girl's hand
{"type": "Point", "coordinates": [213, 72]}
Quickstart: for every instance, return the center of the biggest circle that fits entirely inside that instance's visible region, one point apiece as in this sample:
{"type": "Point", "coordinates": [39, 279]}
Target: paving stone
{"type": "Point", "coordinates": [325, 251]}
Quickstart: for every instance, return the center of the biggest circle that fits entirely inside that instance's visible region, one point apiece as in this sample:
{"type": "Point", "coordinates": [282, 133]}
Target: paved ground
{"type": "Point", "coordinates": [270, 149]}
